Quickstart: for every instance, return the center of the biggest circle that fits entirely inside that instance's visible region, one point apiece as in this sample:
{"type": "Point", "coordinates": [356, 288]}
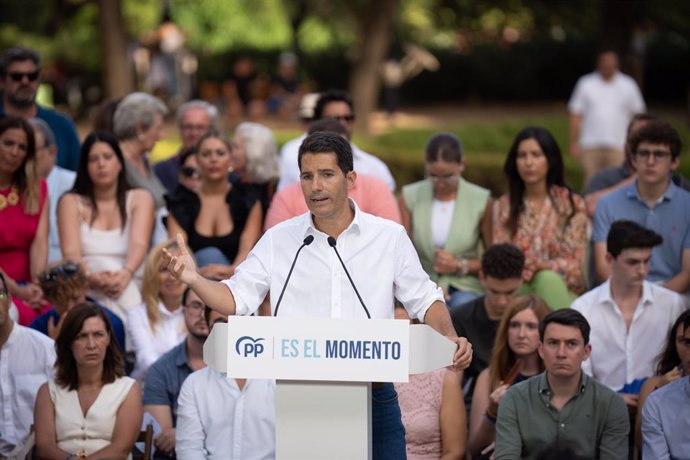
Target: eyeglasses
{"type": "Point", "coordinates": [66, 270]}
{"type": "Point", "coordinates": [189, 172]}
{"type": "Point", "coordinates": [196, 307]}
{"type": "Point", "coordinates": [19, 76]}
{"type": "Point", "coordinates": [194, 128]}
{"type": "Point", "coordinates": [341, 118]}
{"type": "Point", "coordinates": [657, 154]}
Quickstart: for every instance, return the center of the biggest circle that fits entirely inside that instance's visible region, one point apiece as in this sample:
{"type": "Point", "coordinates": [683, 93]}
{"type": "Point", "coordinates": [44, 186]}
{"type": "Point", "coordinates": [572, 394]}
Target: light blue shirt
{"type": "Point", "coordinates": [59, 181]}
{"type": "Point", "coordinates": [666, 422]}
{"type": "Point", "coordinates": [669, 217]}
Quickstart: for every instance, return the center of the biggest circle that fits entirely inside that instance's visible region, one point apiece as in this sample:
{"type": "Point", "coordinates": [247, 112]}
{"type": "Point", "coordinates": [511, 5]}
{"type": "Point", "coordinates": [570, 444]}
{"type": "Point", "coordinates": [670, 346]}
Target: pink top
{"type": "Point", "coordinates": [371, 194]}
{"type": "Point", "coordinates": [420, 404]}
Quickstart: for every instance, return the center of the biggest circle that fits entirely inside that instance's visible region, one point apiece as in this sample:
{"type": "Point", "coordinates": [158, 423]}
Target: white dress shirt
{"type": "Point", "coordinates": [364, 163]}
{"type": "Point", "coordinates": [606, 108]}
{"type": "Point", "coordinates": [377, 253]}
{"type": "Point", "coordinates": [150, 345]}
{"type": "Point", "coordinates": [26, 362]}
{"type": "Point", "coordinates": [59, 181]}
{"type": "Point", "coordinates": [619, 356]}
{"type": "Point", "coordinates": [217, 420]}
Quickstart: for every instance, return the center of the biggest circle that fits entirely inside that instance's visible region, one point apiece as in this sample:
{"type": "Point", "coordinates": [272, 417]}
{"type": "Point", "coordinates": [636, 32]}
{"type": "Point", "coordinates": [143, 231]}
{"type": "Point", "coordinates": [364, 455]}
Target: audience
{"type": "Point", "coordinates": [157, 325]}
{"type": "Point", "coordinates": [65, 285]}
{"type": "Point", "coordinates": [91, 409]}
{"type": "Point", "coordinates": [194, 118]}
{"type": "Point", "coordinates": [26, 362]}
{"type": "Point", "coordinates": [674, 363]}
{"type": "Point", "coordinates": [563, 405]}
{"type": "Point", "coordinates": [106, 225]}
{"type": "Point", "coordinates": [447, 219]}
{"type": "Point", "coordinates": [370, 193]}
{"type": "Point", "coordinates": [629, 316]}
{"type": "Point", "coordinates": [221, 417]}
{"type": "Point", "coordinates": [514, 359]}
{"type": "Point", "coordinates": [59, 180]}
{"type": "Point", "coordinates": [544, 218]}
{"type": "Point", "coordinates": [221, 223]}
{"type": "Point", "coordinates": [164, 378]}
{"type": "Point", "coordinates": [653, 201]}
{"type": "Point", "coordinates": [24, 216]}
{"type": "Point", "coordinates": [500, 275]}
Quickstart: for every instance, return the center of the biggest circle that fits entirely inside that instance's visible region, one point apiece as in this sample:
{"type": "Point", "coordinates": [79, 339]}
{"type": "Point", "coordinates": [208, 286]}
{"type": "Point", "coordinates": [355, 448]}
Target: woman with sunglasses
{"type": "Point", "coordinates": [447, 219]}
{"type": "Point", "coordinates": [91, 409]}
{"type": "Point", "coordinates": [514, 358]}
{"type": "Point", "coordinates": [222, 222]}
{"type": "Point", "coordinates": [544, 218]}
{"type": "Point", "coordinates": [24, 214]}
{"type": "Point", "coordinates": [106, 225]}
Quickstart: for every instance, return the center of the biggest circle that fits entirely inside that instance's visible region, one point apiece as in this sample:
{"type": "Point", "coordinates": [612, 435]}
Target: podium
{"type": "Point", "coordinates": [323, 370]}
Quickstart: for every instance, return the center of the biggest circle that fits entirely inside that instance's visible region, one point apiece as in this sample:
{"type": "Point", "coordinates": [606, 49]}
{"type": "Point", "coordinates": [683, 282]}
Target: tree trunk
{"type": "Point", "coordinates": [117, 75]}
{"type": "Point", "coordinates": [376, 29]}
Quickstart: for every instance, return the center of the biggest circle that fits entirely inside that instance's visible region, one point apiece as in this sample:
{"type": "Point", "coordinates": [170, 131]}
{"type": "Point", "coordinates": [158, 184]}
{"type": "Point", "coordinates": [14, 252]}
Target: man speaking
{"type": "Point", "coordinates": [335, 262]}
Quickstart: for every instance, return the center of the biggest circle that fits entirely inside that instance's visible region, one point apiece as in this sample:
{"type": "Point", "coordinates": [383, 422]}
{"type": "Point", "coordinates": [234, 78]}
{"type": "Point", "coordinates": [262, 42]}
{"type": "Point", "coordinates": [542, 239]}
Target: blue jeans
{"type": "Point", "coordinates": [388, 432]}
{"type": "Point", "coordinates": [210, 255]}
{"type": "Point", "coordinates": [458, 298]}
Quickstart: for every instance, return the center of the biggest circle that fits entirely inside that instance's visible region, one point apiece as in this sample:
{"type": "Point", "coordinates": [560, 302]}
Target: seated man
{"type": "Point", "coordinates": [26, 362]}
{"type": "Point", "coordinates": [630, 316]}
{"type": "Point", "coordinates": [562, 407]}
{"type": "Point", "coordinates": [501, 277]}
{"type": "Point", "coordinates": [164, 378]}
{"type": "Point", "coordinates": [225, 418]}
{"type": "Point", "coordinates": [64, 286]}
{"type": "Point", "coordinates": [653, 201]}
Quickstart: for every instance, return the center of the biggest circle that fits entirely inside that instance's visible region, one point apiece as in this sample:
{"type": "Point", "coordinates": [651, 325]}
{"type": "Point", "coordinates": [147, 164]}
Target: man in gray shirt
{"type": "Point", "coordinates": [562, 407]}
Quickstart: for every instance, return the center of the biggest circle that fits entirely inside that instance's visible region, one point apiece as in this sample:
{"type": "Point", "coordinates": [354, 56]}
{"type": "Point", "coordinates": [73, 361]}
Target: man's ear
{"type": "Point", "coordinates": [351, 178]}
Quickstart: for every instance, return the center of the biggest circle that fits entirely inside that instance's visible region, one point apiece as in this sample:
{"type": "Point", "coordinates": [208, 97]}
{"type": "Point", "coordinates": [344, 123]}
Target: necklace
{"type": "Point", "coordinates": [11, 199]}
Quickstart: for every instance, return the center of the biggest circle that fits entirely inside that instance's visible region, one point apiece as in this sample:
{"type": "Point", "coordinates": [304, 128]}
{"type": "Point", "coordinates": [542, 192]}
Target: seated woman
{"type": "Point", "coordinates": [157, 325]}
{"type": "Point", "coordinates": [220, 223]}
{"type": "Point", "coordinates": [514, 358]}
{"type": "Point", "coordinates": [544, 218]}
{"type": "Point", "coordinates": [447, 218]}
{"type": "Point", "coordinates": [105, 225]}
{"type": "Point", "coordinates": [91, 409]}
{"type": "Point", "coordinates": [674, 363]}
{"type": "Point", "coordinates": [24, 216]}
{"type": "Point", "coordinates": [433, 413]}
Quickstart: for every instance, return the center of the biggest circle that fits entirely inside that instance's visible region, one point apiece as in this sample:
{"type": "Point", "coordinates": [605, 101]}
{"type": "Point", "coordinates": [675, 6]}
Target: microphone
{"type": "Point", "coordinates": [331, 243]}
{"type": "Point", "coordinates": [307, 241]}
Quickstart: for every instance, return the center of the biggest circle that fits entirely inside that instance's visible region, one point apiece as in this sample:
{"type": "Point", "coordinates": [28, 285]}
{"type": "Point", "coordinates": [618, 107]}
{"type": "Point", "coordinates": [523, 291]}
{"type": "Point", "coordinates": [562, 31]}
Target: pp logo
{"type": "Point", "coordinates": [249, 346]}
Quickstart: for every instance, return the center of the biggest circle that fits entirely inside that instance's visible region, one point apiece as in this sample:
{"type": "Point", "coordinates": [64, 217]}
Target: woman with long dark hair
{"type": "Point", "coordinates": [91, 409]}
{"type": "Point", "coordinates": [544, 218]}
{"type": "Point", "coordinates": [106, 225]}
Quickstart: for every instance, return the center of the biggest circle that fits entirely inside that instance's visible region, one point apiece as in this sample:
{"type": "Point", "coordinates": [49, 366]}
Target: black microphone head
{"type": "Point", "coordinates": [331, 241]}
{"type": "Point", "coordinates": [308, 240]}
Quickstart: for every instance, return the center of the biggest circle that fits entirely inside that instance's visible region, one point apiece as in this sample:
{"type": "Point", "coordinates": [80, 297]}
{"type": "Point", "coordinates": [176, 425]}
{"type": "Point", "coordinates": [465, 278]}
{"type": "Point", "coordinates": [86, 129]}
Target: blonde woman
{"type": "Point", "coordinates": [157, 325]}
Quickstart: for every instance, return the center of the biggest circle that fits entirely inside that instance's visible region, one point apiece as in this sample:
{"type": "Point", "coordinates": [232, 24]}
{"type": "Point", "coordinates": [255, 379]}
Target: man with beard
{"type": "Point", "coordinates": [20, 69]}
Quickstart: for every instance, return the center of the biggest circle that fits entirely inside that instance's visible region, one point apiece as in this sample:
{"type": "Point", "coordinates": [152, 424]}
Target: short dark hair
{"type": "Point", "coordinates": [566, 317]}
{"type": "Point", "coordinates": [503, 261]}
{"type": "Point", "coordinates": [444, 147]}
{"type": "Point", "coordinates": [328, 124]}
{"type": "Point", "coordinates": [66, 366]}
{"type": "Point", "coordinates": [657, 132]}
{"type": "Point", "coordinates": [626, 234]}
{"type": "Point", "coordinates": [185, 294]}
{"type": "Point", "coordinates": [18, 54]}
{"type": "Point", "coordinates": [331, 95]}
{"type": "Point", "coordinates": [186, 153]}
{"type": "Point", "coordinates": [328, 142]}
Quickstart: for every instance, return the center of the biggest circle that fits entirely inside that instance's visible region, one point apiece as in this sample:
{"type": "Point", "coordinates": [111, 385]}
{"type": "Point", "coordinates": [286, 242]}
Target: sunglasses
{"type": "Point", "coordinates": [66, 270]}
{"type": "Point", "coordinates": [189, 172]}
{"type": "Point", "coordinates": [19, 76]}
{"type": "Point", "coordinates": [341, 118]}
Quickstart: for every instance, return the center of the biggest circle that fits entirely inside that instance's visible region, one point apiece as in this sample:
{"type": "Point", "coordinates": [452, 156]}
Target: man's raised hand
{"type": "Point", "coordinates": [183, 266]}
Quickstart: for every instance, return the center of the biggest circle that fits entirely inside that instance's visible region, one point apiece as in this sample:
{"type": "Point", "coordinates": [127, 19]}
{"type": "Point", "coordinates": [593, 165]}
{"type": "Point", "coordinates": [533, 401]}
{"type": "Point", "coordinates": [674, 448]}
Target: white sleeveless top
{"type": "Point", "coordinates": [106, 250]}
{"type": "Point", "coordinates": [76, 433]}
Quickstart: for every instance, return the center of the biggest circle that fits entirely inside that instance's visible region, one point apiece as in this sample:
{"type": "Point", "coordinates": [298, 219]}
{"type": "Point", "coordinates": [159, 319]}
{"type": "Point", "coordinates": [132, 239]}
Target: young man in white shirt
{"type": "Point", "coordinates": [381, 260]}
{"type": "Point", "coordinates": [27, 358]}
{"type": "Point", "coordinates": [630, 317]}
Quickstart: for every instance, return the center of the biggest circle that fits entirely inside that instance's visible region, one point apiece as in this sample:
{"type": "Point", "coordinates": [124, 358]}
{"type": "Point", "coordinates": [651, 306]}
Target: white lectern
{"type": "Point", "coordinates": [323, 369]}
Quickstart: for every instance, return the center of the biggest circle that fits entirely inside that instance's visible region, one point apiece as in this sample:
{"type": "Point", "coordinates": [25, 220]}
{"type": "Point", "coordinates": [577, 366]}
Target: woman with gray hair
{"type": "Point", "coordinates": [255, 160]}
{"type": "Point", "coordinates": [138, 125]}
